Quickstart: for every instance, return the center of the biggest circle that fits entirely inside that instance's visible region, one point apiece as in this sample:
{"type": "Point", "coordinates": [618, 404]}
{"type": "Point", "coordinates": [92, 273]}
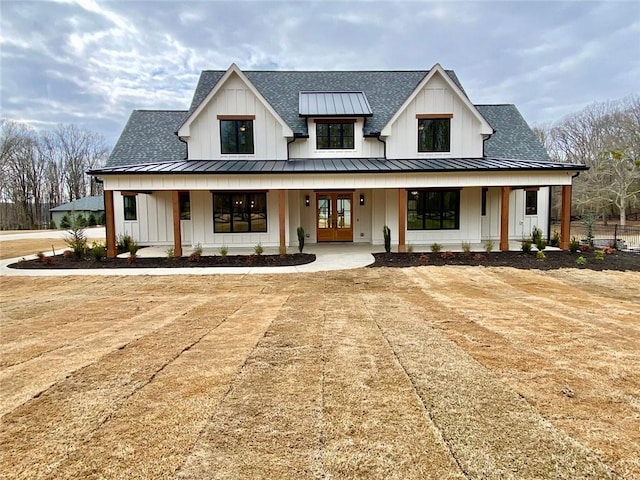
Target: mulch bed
{"type": "Point", "coordinates": [60, 262]}
{"type": "Point", "coordinates": [556, 259]}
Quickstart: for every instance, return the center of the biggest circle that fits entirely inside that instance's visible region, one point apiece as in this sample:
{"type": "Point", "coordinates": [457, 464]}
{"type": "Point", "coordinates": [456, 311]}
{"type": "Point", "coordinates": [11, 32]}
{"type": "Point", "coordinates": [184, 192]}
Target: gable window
{"type": "Point", "coordinates": [130, 207]}
{"type": "Point", "coordinates": [434, 133]}
{"type": "Point", "coordinates": [531, 202]}
{"type": "Point", "coordinates": [433, 210]}
{"type": "Point", "coordinates": [239, 212]}
{"type": "Point", "coordinates": [335, 134]}
{"type": "Point", "coordinates": [185, 205]}
{"type": "Point", "coordinates": [236, 134]}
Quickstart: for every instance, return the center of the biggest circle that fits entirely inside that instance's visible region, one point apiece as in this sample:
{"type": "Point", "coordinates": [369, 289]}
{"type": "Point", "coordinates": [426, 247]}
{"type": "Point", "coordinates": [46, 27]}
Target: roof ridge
{"type": "Point", "coordinates": [159, 110]}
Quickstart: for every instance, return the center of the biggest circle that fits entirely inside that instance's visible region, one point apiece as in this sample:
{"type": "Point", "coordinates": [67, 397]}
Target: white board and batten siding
{"type": "Point", "coordinates": [235, 98]}
{"type": "Point", "coordinates": [436, 97]}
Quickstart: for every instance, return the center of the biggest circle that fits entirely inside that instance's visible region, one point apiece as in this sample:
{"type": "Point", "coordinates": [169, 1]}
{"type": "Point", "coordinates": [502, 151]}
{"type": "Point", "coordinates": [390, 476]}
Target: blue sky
{"type": "Point", "coordinates": [91, 63]}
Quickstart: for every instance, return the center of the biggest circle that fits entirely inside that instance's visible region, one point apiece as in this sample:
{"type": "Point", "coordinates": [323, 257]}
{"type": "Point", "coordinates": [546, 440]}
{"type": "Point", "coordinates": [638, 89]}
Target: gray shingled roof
{"type": "Point", "coordinates": [512, 138]}
{"type": "Point", "coordinates": [85, 204]}
{"type": "Point", "coordinates": [335, 165]}
{"type": "Point", "coordinates": [149, 136]}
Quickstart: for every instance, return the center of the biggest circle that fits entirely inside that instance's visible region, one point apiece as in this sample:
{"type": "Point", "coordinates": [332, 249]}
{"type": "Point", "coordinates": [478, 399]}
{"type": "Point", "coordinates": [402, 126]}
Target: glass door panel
{"type": "Point", "coordinates": [334, 217]}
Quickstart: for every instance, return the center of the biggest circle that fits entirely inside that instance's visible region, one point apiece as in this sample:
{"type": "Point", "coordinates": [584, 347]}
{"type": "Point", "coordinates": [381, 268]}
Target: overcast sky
{"type": "Point", "coordinates": [91, 63]}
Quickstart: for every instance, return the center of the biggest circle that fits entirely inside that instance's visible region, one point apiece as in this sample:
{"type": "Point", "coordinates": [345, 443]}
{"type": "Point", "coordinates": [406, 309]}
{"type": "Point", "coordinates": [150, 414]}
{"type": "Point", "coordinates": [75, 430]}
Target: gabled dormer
{"type": "Point", "coordinates": [234, 120]}
{"type": "Point", "coordinates": [436, 121]}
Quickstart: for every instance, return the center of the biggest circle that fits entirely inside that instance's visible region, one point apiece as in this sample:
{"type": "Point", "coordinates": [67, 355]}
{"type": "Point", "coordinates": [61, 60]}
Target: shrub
{"type": "Point", "coordinates": [541, 256]}
{"type": "Point", "coordinates": [224, 251]}
{"type": "Point", "coordinates": [581, 261]}
{"type": "Point", "coordinates": [132, 258]}
{"type": "Point", "coordinates": [123, 241]}
{"type": "Point", "coordinates": [64, 222]}
{"type": "Point", "coordinates": [488, 246]}
{"type": "Point", "coordinates": [67, 254]}
{"type": "Point", "coordinates": [76, 240]}
{"type": "Point", "coordinates": [466, 248]}
{"type": "Point", "coordinates": [52, 225]}
{"type": "Point", "coordinates": [574, 245]}
{"type": "Point", "coordinates": [40, 256]}
{"type": "Point", "coordinates": [133, 247]}
{"type": "Point", "coordinates": [525, 245]}
{"type": "Point", "coordinates": [541, 244]}
{"type": "Point", "coordinates": [300, 232]}
{"type": "Point", "coordinates": [100, 219]}
{"type": "Point", "coordinates": [92, 220]}
{"type": "Point", "coordinates": [478, 257]}
{"type": "Point", "coordinates": [589, 221]}
{"type": "Point", "coordinates": [609, 250]}
{"type": "Point", "coordinates": [436, 247]}
{"type": "Point", "coordinates": [170, 253]}
{"type": "Point", "coordinates": [555, 239]}
{"type": "Point", "coordinates": [536, 233]}
{"type": "Point", "coordinates": [447, 255]}
{"type": "Point", "coordinates": [98, 251]}
{"type": "Point", "coordinates": [386, 233]}
{"type": "Point", "coordinates": [198, 249]}
{"type": "Point", "coordinates": [423, 258]}
{"type": "Point", "coordinates": [598, 255]}
{"type": "Point", "coordinates": [258, 249]}
{"type": "Point", "coordinates": [80, 220]}
{"type": "Point", "coordinates": [193, 257]}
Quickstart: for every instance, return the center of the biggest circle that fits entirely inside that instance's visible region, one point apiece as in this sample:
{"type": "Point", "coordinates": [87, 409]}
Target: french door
{"type": "Point", "coordinates": [334, 216]}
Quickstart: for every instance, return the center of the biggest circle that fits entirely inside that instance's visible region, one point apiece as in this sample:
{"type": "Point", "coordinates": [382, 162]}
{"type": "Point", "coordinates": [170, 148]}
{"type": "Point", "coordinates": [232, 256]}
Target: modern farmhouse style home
{"type": "Point", "coordinates": [340, 153]}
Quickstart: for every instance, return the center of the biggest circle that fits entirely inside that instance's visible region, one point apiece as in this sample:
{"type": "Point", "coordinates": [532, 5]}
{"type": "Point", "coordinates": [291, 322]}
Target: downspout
{"type": "Point", "coordinates": [187, 145]}
{"type": "Point", "coordinates": [377, 137]}
{"type": "Point", "coordinates": [289, 143]}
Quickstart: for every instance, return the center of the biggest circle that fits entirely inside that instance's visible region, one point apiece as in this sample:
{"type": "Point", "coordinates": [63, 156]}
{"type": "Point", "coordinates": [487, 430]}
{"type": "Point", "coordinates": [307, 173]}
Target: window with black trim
{"type": "Point", "coordinates": [236, 136]}
{"type": "Point", "coordinates": [237, 212]}
{"type": "Point", "coordinates": [484, 201]}
{"type": "Point", "coordinates": [531, 202]}
{"type": "Point", "coordinates": [433, 210]}
{"type": "Point", "coordinates": [434, 134]}
{"type": "Point", "coordinates": [185, 205]}
{"type": "Point", "coordinates": [130, 207]}
{"type": "Point", "coordinates": [334, 135]}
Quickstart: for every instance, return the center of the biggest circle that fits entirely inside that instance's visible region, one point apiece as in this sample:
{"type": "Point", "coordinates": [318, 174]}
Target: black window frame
{"type": "Point", "coordinates": [240, 209]}
{"type": "Point", "coordinates": [531, 202]}
{"type": "Point", "coordinates": [335, 134]}
{"type": "Point", "coordinates": [422, 211]}
{"type": "Point", "coordinates": [130, 207]}
{"type": "Point", "coordinates": [484, 202]}
{"type": "Point", "coordinates": [429, 138]}
{"type": "Point", "coordinates": [184, 200]}
{"type": "Point", "coordinates": [232, 141]}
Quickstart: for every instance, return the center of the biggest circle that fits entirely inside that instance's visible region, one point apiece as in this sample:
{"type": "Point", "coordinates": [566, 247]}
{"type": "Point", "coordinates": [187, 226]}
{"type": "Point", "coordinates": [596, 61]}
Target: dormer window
{"type": "Point", "coordinates": [434, 132]}
{"type": "Point", "coordinates": [335, 134]}
{"type": "Point", "coordinates": [236, 134]}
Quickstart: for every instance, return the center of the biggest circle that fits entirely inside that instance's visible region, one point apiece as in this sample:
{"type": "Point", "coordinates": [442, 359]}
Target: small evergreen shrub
{"type": "Point", "coordinates": [64, 222]}
{"type": "Point", "coordinates": [122, 242]}
{"type": "Point", "coordinates": [536, 234]}
{"type": "Point", "coordinates": [133, 247]}
{"type": "Point", "coordinates": [98, 251]}
{"type": "Point", "coordinates": [198, 249]}
{"type": "Point", "coordinates": [80, 220]}
{"type": "Point", "coordinates": [76, 240]}
{"type": "Point", "coordinates": [436, 247]}
{"type": "Point", "coordinates": [92, 220]}
{"type": "Point", "coordinates": [581, 261]}
{"type": "Point", "coordinates": [300, 232]}
{"type": "Point", "coordinates": [386, 233]}
{"type": "Point", "coordinates": [525, 245]}
{"type": "Point", "coordinates": [170, 253]}
{"type": "Point", "coordinates": [574, 245]}
{"type": "Point", "coordinates": [541, 256]}
{"type": "Point", "coordinates": [258, 249]}
{"type": "Point", "coordinates": [555, 239]}
{"type": "Point", "coordinates": [52, 225]}
{"type": "Point", "coordinates": [100, 219]}
{"type": "Point", "coordinates": [132, 258]}
{"type": "Point", "coordinates": [466, 248]}
{"type": "Point", "coordinates": [488, 246]}
{"type": "Point", "coordinates": [224, 251]}
{"type": "Point", "coordinates": [541, 244]}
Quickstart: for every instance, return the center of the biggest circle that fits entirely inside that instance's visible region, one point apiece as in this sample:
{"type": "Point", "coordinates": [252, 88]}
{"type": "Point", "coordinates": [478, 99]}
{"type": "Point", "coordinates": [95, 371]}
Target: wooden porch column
{"type": "Point", "coordinates": [282, 212]}
{"type": "Point", "coordinates": [402, 219]}
{"type": "Point", "coordinates": [504, 219]}
{"type": "Point", "coordinates": [110, 224]}
{"type": "Point", "coordinates": [177, 234]}
{"type": "Point", "coordinates": [565, 217]}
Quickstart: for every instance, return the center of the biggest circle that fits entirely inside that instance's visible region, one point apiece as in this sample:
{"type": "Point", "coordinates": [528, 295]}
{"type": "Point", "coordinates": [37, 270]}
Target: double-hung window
{"type": "Point", "coordinates": [531, 202]}
{"type": "Point", "coordinates": [433, 210]}
{"type": "Point", "coordinates": [434, 132]}
{"type": "Point", "coordinates": [238, 212]}
{"type": "Point", "coordinates": [236, 134]}
{"type": "Point", "coordinates": [335, 134]}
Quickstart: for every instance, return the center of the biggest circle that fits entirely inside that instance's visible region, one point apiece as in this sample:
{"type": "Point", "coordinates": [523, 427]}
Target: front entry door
{"type": "Point", "coordinates": [334, 216]}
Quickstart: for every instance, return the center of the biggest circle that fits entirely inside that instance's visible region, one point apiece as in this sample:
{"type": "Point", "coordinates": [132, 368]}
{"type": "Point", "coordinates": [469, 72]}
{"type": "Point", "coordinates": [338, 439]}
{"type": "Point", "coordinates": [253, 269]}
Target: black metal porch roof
{"type": "Point", "coordinates": [334, 165]}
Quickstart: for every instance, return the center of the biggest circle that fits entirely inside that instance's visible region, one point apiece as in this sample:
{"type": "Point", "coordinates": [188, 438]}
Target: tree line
{"type": "Point", "coordinates": [606, 138]}
{"type": "Point", "coordinates": [43, 169]}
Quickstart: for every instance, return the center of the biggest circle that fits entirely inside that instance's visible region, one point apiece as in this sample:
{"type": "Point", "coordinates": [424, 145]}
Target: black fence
{"type": "Point", "coordinates": [622, 237]}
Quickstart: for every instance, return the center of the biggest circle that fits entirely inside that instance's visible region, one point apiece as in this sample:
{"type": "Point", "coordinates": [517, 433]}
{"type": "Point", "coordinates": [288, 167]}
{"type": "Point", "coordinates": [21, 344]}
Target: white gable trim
{"type": "Point", "coordinates": [486, 129]}
{"type": "Point", "coordinates": [184, 130]}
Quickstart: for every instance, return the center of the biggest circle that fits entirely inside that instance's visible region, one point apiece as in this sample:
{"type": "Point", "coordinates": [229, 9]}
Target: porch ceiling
{"type": "Point", "coordinates": [336, 165]}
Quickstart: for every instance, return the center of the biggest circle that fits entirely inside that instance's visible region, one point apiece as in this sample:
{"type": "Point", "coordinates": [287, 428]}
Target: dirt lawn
{"type": "Point", "coordinates": [417, 373]}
